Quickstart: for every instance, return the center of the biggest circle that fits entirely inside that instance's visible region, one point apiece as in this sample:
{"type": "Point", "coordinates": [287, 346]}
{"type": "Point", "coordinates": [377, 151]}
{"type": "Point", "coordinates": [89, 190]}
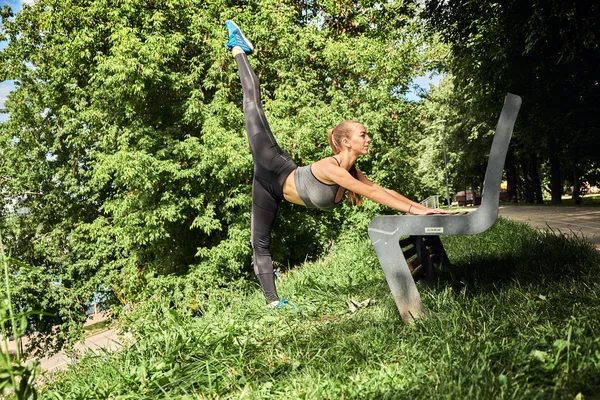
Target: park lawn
{"type": "Point", "coordinates": [589, 200]}
{"type": "Point", "coordinates": [516, 316]}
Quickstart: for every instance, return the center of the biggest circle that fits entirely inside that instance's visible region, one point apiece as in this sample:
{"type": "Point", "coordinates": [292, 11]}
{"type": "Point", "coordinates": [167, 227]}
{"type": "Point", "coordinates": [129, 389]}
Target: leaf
{"type": "Point", "coordinates": [355, 305]}
{"type": "Point", "coordinates": [539, 355]}
{"type": "Point", "coordinates": [560, 345]}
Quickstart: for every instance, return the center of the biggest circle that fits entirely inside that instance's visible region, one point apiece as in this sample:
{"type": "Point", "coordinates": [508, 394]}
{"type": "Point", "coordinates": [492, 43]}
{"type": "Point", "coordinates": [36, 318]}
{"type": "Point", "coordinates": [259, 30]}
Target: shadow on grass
{"type": "Point", "coordinates": [514, 252]}
{"type": "Point", "coordinates": [500, 280]}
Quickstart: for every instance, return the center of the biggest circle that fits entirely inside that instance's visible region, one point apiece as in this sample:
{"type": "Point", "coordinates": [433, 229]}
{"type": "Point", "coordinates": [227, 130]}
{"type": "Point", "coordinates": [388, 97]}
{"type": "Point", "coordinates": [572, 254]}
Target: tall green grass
{"type": "Point", "coordinates": [16, 377]}
{"type": "Point", "coordinates": [516, 316]}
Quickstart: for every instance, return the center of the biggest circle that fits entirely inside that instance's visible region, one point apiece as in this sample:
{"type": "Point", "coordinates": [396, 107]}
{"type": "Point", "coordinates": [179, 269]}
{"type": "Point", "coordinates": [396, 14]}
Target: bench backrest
{"type": "Point", "coordinates": [490, 198]}
{"type": "Point", "coordinates": [474, 222]}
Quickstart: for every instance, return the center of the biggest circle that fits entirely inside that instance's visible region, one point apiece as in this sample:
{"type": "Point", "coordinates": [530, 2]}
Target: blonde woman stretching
{"type": "Point", "coordinates": [319, 185]}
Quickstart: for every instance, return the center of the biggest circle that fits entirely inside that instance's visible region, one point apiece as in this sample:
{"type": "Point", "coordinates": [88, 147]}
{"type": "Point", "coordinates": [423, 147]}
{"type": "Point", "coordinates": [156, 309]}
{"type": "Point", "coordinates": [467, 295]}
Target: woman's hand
{"type": "Point", "coordinates": [422, 211]}
{"type": "Point", "coordinates": [442, 211]}
{"type": "Point", "coordinates": [429, 211]}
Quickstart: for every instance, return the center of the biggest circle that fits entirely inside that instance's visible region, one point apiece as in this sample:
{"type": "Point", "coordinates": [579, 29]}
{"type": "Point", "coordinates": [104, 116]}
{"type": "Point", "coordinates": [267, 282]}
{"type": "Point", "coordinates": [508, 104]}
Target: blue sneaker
{"type": "Point", "coordinates": [237, 38]}
{"type": "Point", "coordinates": [282, 304]}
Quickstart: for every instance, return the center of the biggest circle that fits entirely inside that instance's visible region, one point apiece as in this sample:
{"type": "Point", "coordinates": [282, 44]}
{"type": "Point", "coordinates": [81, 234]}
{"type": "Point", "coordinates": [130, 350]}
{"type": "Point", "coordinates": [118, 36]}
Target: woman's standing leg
{"type": "Point", "coordinates": [264, 212]}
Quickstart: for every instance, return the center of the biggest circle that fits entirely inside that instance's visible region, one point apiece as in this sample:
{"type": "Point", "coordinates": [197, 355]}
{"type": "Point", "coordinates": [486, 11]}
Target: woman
{"type": "Point", "coordinates": [276, 177]}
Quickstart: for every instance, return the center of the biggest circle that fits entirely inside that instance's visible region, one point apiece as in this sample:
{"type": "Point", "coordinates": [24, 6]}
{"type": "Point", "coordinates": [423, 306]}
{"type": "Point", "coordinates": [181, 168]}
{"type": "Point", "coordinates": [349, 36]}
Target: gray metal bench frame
{"type": "Point", "coordinates": [385, 231]}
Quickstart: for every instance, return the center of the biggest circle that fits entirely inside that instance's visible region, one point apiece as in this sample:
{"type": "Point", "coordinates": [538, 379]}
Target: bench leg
{"type": "Point", "coordinates": [429, 252]}
{"type": "Point", "coordinates": [437, 248]}
{"type": "Point", "coordinates": [398, 276]}
{"type": "Point", "coordinates": [429, 276]}
{"type": "Point", "coordinates": [433, 250]}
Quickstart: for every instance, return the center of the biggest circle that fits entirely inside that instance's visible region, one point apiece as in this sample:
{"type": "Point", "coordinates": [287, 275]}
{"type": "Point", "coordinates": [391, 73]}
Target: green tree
{"type": "Point", "coordinates": [449, 115]}
{"type": "Point", "coordinates": [126, 145]}
{"type": "Point", "coordinates": [544, 51]}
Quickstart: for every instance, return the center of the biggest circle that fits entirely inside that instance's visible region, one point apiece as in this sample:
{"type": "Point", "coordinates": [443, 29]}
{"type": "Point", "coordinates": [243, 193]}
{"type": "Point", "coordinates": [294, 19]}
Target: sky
{"type": "Point", "coordinates": [15, 4]}
{"type": "Point", "coordinates": [423, 82]}
{"type": "Point", "coordinates": [7, 86]}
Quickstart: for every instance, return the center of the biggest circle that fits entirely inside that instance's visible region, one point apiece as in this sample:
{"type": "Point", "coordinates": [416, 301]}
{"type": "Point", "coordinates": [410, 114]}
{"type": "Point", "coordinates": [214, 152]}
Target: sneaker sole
{"type": "Point", "coordinates": [243, 36]}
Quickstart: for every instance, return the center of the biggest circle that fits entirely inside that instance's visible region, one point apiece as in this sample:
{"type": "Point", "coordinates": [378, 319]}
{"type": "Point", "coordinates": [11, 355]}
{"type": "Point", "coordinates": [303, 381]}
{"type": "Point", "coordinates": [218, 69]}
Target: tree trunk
{"type": "Point", "coordinates": [525, 166]}
{"type": "Point", "coordinates": [511, 178]}
{"type": "Point", "coordinates": [535, 176]}
{"type": "Point", "coordinates": [576, 186]}
{"type": "Point", "coordinates": [555, 182]}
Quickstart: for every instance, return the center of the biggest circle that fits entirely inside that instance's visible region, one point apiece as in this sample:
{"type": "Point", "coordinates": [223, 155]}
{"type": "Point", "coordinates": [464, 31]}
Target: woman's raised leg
{"type": "Point", "coordinates": [271, 166]}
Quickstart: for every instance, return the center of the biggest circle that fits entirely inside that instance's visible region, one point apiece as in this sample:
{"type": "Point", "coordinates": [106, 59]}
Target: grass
{"type": "Point", "coordinates": [589, 200]}
{"type": "Point", "coordinates": [16, 378]}
{"type": "Point", "coordinates": [592, 200]}
{"type": "Point", "coordinates": [516, 316]}
{"type": "Point", "coordinates": [96, 327]}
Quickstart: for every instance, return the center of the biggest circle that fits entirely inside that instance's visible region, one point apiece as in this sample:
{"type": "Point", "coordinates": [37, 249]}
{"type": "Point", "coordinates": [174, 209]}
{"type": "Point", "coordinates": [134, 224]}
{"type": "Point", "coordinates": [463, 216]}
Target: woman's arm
{"type": "Point", "coordinates": [370, 190]}
{"type": "Point", "coordinates": [368, 182]}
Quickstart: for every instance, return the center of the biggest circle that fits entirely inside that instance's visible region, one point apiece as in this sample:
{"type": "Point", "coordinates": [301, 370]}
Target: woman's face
{"type": "Point", "coordinates": [359, 141]}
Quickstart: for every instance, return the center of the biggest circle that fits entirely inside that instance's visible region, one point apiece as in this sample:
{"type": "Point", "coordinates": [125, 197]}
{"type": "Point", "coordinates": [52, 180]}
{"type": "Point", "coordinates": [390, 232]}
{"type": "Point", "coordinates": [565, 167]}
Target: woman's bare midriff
{"type": "Point", "coordinates": [289, 189]}
{"type": "Point", "coordinates": [291, 194]}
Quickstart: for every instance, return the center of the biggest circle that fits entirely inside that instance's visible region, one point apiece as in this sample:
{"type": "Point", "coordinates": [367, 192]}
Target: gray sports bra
{"type": "Point", "coordinates": [313, 192]}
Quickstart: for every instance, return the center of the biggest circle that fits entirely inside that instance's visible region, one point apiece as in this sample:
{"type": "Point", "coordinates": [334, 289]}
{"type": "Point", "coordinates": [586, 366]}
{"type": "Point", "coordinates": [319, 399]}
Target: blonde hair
{"type": "Point", "coordinates": [335, 135]}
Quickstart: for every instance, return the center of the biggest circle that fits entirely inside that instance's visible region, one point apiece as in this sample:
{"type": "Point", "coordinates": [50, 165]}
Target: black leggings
{"type": "Point", "coordinates": [272, 166]}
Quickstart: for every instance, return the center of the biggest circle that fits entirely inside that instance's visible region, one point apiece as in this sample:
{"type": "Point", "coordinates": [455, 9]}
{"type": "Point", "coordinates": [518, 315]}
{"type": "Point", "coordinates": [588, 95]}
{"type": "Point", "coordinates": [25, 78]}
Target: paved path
{"type": "Point", "coordinates": [582, 221]}
{"type": "Point", "coordinates": [107, 339]}
{"type": "Point", "coordinates": [103, 340]}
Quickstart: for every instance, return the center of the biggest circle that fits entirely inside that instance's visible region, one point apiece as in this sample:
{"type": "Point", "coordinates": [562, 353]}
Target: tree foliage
{"type": "Point", "coordinates": [445, 123]}
{"type": "Point", "coordinates": [545, 51]}
{"type": "Point", "coordinates": [126, 151]}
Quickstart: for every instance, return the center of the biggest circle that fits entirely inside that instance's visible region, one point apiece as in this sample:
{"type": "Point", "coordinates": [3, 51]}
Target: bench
{"type": "Point", "coordinates": [423, 243]}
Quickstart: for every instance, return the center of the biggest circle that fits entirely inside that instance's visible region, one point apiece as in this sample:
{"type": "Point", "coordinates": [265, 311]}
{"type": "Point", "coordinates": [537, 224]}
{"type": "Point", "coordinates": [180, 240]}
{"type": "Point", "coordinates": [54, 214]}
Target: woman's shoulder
{"type": "Point", "coordinates": [331, 160]}
{"type": "Point", "coordinates": [326, 164]}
